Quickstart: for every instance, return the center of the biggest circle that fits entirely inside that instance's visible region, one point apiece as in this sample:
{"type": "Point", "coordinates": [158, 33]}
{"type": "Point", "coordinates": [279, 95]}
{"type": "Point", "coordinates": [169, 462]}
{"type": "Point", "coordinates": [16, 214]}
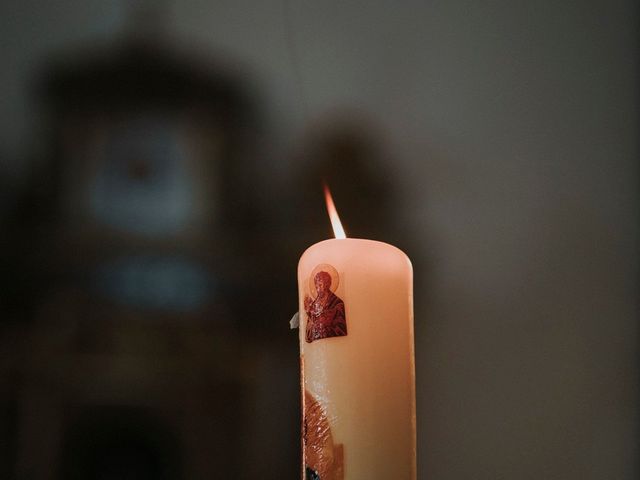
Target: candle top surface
{"type": "Point", "coordinates": [357, 244]}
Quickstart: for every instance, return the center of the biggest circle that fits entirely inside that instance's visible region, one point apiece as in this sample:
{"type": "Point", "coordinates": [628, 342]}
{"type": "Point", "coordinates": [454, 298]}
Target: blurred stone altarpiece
{"type": "Point", "coordinates": [135, 355]}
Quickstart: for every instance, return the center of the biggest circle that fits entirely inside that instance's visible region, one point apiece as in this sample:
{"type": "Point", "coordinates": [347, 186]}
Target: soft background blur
{"type": "Point", "coordinates": [495, 142]}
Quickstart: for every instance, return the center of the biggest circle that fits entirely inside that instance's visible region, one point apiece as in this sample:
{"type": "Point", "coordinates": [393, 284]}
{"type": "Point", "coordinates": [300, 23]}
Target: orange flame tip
{"type": "Point", "coordinates": [338, 231]}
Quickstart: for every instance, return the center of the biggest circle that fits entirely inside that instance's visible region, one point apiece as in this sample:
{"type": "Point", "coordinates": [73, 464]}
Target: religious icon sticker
{"type": "Point", "coordinates": [323, 459]}
{"type": "Point", "coordinates": [325, 311]}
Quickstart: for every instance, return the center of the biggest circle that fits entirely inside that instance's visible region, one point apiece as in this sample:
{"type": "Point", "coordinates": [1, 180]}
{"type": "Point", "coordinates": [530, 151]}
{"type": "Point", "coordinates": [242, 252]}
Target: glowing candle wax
{"type": "Point", "coordinates": [357, 360]}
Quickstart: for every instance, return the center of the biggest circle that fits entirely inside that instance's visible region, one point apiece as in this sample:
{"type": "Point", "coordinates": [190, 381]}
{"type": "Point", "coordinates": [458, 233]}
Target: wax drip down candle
{"type": "Point", "coordinates": [356, 359]}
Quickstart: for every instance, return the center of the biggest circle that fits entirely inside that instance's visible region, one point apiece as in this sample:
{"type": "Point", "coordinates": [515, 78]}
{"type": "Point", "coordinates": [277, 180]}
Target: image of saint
{"type": "Point", "coordinates": [325, 313]}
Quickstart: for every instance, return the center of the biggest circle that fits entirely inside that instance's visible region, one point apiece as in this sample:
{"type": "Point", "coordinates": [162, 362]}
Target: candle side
{"type": "Point", "coordinates": [358, 369]}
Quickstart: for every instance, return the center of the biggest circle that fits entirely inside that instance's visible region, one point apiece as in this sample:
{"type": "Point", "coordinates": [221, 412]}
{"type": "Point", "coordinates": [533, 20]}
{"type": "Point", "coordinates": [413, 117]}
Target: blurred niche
{"type": "Point", "coordinates": [136, 254]}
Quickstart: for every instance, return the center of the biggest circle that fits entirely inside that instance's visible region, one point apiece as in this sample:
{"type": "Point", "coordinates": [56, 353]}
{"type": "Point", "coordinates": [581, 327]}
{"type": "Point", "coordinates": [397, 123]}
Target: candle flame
{"type": "Point", "coordinates": [338, 231]}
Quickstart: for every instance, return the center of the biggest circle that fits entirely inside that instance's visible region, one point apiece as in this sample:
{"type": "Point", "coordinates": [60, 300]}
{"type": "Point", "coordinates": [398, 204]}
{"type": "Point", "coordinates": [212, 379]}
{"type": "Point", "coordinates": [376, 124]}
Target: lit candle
{"type": "Point", "coordinates": [357, 359]}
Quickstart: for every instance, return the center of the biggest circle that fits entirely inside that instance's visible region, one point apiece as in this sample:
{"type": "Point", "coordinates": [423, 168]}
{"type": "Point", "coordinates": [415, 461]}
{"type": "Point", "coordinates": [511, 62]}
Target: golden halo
{"type": "Point", "coordinates": [324, 267]}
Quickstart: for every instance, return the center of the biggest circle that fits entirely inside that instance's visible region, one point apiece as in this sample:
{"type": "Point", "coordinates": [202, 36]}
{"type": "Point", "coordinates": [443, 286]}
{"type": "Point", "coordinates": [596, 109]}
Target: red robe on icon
{"type": "Point", "coordinates": [325, 314]}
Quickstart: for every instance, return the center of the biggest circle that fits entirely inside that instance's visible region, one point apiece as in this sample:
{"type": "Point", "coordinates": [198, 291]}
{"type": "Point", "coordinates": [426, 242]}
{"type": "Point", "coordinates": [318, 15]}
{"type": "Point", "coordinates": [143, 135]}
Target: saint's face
{"type": "Point", "coordinates": [322, 284]}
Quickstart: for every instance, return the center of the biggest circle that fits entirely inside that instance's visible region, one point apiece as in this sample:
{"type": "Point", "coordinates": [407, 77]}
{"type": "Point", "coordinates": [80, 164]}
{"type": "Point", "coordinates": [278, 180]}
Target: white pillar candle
{"type": "Point", "coordinates": [357, 361]}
